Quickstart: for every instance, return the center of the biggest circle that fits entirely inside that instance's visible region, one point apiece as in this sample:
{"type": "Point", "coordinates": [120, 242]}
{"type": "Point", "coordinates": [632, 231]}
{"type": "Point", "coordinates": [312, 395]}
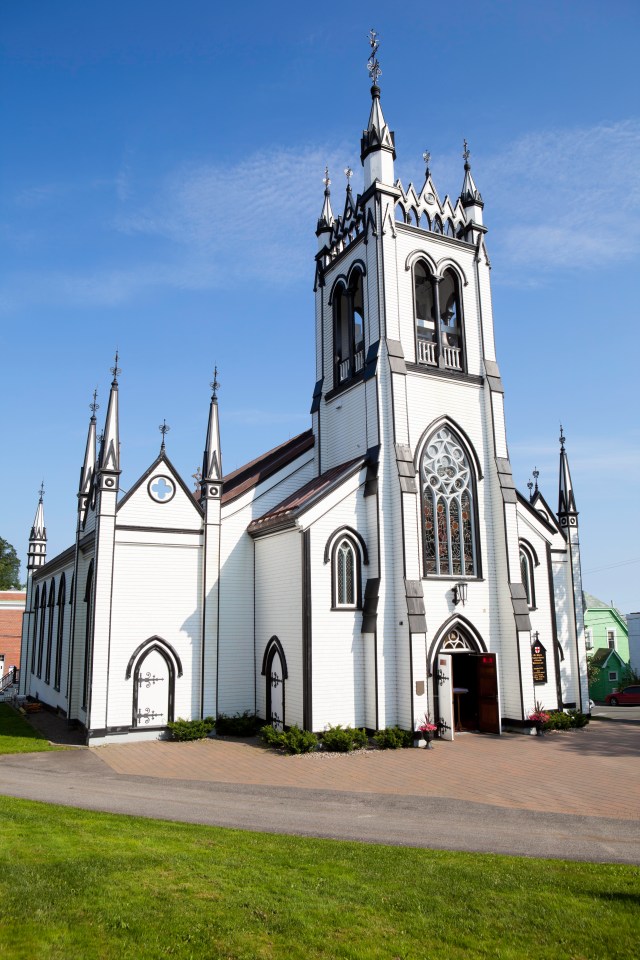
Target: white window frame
{"type": "Point", "coordinates": [588, 639]}
{"type": "Point", "coordinates": [613, 676]}
{"type": "Point", "coordinates": [612, 638]}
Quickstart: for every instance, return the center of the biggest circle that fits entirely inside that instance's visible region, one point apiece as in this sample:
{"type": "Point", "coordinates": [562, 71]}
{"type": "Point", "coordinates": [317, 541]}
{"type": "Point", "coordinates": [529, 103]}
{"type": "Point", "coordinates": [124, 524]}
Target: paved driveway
{"type": "Point", "coordinates": [556, 796]}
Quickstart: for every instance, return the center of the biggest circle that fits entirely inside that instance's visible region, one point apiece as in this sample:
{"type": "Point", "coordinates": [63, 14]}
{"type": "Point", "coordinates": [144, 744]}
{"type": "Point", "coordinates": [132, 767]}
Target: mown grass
{"type": "Point", "coordinates": [81, 885]}
{"type": "Point", "coordinates": [17, 736]}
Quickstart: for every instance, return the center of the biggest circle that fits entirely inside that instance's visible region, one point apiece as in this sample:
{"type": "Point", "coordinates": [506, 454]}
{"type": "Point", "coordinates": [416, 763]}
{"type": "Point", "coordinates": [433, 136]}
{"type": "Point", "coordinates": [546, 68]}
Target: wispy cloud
{"type": "Point", "coordinates": [252, 219]}
{"type": "Point", "coordinates": [554, 199]}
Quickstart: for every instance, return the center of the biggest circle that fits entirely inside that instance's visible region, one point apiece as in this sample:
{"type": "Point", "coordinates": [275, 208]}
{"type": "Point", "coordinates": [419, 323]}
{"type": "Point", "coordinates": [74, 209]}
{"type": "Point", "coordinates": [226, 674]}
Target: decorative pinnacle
{"type": "Point", "coordinates": [41, 492]}
{"type": "Point", "coordinates": [348, 172]}
{"type": "Point", "coordinates": [466, 153]}
{"type": "Point", "coordinates": [562, 438]}
{"type": "Point", "coordinates": [215, 384]}
{"type": "Point", "coordinates": [426, 156]}
{"type": "Point", "coordinates": [536, 474]}
{"type": "Point", "coordinates": [94, 405]}
{"type": "Point", "coordinates": [326, 180]}
{"type": "Point", "coordinates": [115, 370]}
{"type": "Point", "coordinates": [530, 487]}
{"type": "Point", "coordinates": [164, 430]}
{"type": "Point", "coordinates": [373, 65]}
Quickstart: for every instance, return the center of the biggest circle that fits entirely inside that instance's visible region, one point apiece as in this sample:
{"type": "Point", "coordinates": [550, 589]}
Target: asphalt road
{"type": "Point", "coordinates": [78, 778]}
{"type": "Point", "coordinates": [629, 714]}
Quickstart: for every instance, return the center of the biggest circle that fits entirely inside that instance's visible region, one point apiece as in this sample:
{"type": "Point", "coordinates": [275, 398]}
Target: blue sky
{"type": "Point", "coordinates": [161, 175]}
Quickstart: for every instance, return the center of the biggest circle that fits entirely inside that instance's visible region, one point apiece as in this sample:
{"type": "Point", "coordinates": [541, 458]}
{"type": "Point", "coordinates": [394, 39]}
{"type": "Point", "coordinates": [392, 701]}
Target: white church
{"type": "Point", "coordinates": [377, 567]}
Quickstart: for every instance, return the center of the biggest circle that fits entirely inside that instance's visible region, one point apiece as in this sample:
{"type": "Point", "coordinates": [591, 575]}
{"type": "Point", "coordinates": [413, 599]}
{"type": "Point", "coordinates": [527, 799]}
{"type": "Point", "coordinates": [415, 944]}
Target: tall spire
{"type": "Point", "coordinates": [469, 195]}
{"type": "Point", "coordinates": [212, 460]}
{"type": "Point", "coordinates": [326, 220]}
{"type": "Point", "coordinates": [110, 456]}
{"type": "Point", "coordinates": [377, 147]}
{"type": "Point", "coordinates": [37, 553]}
{"type": "Point", "coordinates": [567, 513]}
{"type": "Point", "coordinates": [89, 464]}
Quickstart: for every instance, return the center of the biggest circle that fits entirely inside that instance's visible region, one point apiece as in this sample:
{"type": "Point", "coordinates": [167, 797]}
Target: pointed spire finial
{"type": "Point", "coordinates": [426, 156]}
{"type": "Point", "coordinates": [348, 172]}
{"type": "Point", "coordinates": [115, 369]}
{"type": "Point", "coordinates": [41, 492]}
{"type": "Point", "coordinates": [215, 385]}
{"type": "Point", "coordinates": [530, 488]}
{"type": "Point", "coordinates": [466, 153]}
{"type": "Point", "coordinates": [373, 65]}
{"type": "Point", "coordinates": [164, 430]}
{"type": "Point", "coordinates": [327, 181]}
{"type": "Point", "coordinates": [94, 405]}
{"type": "Point", "coordinates": [536, 474]}
{"type": "Point", "coordinates": [562, 438]}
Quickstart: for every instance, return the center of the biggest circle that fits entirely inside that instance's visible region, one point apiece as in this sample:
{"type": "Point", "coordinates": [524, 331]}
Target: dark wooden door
{"type": "Point", "coordinates": [488, 705]}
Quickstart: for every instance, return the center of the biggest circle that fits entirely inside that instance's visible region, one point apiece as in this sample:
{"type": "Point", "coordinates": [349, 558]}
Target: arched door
{"type": "Point", "coordinates": [275, 690]}
{"type": "Point", "coordinates": [153, 690]}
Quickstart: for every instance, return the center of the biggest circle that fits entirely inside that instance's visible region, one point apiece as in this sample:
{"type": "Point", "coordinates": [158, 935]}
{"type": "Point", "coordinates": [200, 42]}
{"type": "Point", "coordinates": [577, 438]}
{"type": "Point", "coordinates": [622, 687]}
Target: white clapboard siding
{"type": "Point", "coordinates": [156, 592]}
{"type": "Point", "coordinates": [278, 612]}
{"type": "Point", "coordinates": [141, 510]}
{"type": "Point", "coordinates": [339, 649]}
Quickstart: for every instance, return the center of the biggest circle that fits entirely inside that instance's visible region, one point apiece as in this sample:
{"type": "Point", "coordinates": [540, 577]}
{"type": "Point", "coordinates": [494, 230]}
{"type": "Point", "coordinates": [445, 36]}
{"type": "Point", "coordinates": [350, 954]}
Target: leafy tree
{"type": "Point", "coordinates": [593, 672]}
{"type": "Point", "coordinates": [9, 567]}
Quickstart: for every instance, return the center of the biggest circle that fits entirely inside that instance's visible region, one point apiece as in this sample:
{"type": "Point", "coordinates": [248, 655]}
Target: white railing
{"type": "Point", "coordinates": [427, 352]}
{"type": "Point", "coordinates": [358, 361]}
{"type": "Point", "coordinates": [452, 357]}
{"type": "Point", "coordinates": [344, 369]}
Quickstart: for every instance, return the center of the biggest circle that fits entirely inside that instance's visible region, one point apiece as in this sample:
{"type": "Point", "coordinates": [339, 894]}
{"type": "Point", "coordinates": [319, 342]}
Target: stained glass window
{"type": "Point", "coordinates": [449, 542]}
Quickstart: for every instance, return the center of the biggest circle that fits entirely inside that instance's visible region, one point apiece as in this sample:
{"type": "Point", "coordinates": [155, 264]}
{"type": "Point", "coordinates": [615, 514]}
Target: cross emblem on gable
{"type": "Point", "coordinates": [161, 489]}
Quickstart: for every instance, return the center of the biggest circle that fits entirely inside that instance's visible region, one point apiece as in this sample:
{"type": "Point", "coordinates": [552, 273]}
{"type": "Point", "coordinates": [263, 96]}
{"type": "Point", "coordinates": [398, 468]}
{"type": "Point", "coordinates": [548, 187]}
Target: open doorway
{"type": "Point", "coordinates": [466, 694]}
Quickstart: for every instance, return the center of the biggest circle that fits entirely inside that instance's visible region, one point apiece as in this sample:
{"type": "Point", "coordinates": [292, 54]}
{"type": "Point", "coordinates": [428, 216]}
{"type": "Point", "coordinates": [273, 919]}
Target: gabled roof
{"type": "Point", "coordinates": [551, 525]}
{"type": "Point", "coordinates": [161, 458]}
{"type": "Point", "coordinates": [253, 473]}
{"type": "Point", "coordinates": [286, 513]}
{"type": "Point", "coordinates": [592, 603]}
{"type": "Point", "coordinates": [602, 656]}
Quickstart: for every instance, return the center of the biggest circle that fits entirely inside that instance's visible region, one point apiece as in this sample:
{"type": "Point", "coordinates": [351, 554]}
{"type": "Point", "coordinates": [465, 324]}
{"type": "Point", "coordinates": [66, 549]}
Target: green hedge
{"type": "Point", "coordinates": [191, 729]}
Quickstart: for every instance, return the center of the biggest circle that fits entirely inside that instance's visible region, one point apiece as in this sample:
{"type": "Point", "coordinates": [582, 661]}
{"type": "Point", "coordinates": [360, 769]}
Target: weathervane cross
{"type": "Point", "coordinates": [466, 153]}
{"type": "Point", "coordinates": [373, 66]}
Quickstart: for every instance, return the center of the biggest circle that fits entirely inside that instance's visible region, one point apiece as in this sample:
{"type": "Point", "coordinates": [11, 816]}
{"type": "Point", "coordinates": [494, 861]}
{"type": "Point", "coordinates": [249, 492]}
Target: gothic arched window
{"type": "Point", "coordinates": [448, 508]}
{"type": "Point", "coordinates": [439, 340]}
{"type": "Point", "coordinates": [88, 599]}
{"type": "Point", "coordinates": [348, 329]}
{"type": "Point", "coordinates": [346, 566]}
{"type": "Point", "coordinates": [43, 613]}
{"type": "Point", "coordinates": [47, 662]}
{"type": "Point", "coordinates": [526, 573]}
{"type": "Point", "coordinates": [62, 592]}
{"type": "Point", "coordinates": [36, 607]}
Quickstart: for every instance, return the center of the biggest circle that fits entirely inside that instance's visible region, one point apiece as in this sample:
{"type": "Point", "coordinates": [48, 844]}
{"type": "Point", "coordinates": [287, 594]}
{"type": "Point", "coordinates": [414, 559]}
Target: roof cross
{"type": "Point", "coordinates": [41, 491]}
{"type": "Point", "coordinates": [215, 384]}
{"type": "Point", "coordinates": [164, 430]}
{"type": "Point", "coordinates": [93, 406]}
{"type": "Point", "coordinates": [466, 153]}
{"type": "Point", "coordinates": [373, 65]}
{"type": "Point", "coordinates": [115, 369]}
{"type": "Point", "coordinates": [326, 179]}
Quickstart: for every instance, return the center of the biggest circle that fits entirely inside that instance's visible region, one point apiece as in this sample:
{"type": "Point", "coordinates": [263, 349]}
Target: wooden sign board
{"type": "Point", "coordinates": [539, 662]}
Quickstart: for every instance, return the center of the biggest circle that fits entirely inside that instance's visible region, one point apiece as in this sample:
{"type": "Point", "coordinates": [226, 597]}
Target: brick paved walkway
{"type": "Point", "coordinates": [590, 772]}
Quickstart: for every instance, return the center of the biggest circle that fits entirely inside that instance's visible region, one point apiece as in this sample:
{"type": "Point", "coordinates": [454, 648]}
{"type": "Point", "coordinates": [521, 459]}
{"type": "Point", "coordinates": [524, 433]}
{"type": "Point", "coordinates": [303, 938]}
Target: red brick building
{"type": "Point", "coordinates": [12, 604]}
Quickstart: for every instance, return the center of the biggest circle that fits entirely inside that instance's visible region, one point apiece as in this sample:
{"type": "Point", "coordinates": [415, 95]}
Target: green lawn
{"type": "Point", "coordinates": [84, 885]}
{"type": "Point", "coordinates": [17, 736]}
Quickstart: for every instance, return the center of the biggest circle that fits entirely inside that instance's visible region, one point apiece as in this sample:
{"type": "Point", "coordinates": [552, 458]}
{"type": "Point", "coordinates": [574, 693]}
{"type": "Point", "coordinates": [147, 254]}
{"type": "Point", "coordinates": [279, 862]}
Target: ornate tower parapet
{"type": "Point", "coordinates": [37, 553]}
{"type": "Point", "coordinates": [36, 558]}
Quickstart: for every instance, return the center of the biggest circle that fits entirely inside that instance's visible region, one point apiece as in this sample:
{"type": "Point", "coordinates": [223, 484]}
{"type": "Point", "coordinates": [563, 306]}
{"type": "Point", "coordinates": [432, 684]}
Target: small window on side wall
{"type": "Point", "coordinates": [526, 574]}
{"type": "Point", "coordinates": [348, 330]}
{"type": "Point", "coordinates": [346, 573]}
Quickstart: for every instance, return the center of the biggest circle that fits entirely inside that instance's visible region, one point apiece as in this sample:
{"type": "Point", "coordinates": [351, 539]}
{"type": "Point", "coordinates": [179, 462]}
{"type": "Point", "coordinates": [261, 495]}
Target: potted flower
{"type": "Point", "coordinates": [427, 729]}
{"type": "Point", "coordinates": [539, 718]}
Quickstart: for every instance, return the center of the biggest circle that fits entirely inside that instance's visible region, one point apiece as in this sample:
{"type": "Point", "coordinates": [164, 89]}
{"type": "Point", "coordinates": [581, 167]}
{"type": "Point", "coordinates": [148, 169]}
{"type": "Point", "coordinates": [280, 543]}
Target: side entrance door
{"type": "Point", "coordinates": [444, 680]}
{"type": "Point", "coordinates": [152, 691]}
{"type": "Point", "coordinates": [488, 701]}
{"type": "Point", "coordinates": [275, 692]}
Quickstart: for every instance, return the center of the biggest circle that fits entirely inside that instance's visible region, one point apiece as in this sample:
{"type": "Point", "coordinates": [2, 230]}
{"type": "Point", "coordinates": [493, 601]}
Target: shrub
{"type": "Point", "coordinates": [293, 740]}
{"type": "Point", "coordinates": [393, 738]}
{"type": "Point", "coordinates": [558, 720]}
{"type": "Point", "coordinates": [578, 719]}
{"type": "Point", "coordinates": [239, 725]}
{"type": "Point", "coordinates": [341, 739]}
{"type": "Point", "coordinates": [191, 729]}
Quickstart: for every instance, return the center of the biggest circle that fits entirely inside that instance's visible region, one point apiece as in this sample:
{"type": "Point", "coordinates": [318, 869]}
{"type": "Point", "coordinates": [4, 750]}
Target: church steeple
{"type": "Point", "coordinates": [212, 460]}
{"type": "Point", "coordinates": [326, 220]}
{"type": "Point", "coordinates": [110, 452]}
{"type": "Point", "coordinates": [377, 147]}
{"type": "Point", "coordinates": [567, 513]}
{"type": "Point", "coordinates": [470, 197]}
{"type": "Point", "coordinates": [89, 464]}
{"type": "Point", "coordinates": [37, 553]}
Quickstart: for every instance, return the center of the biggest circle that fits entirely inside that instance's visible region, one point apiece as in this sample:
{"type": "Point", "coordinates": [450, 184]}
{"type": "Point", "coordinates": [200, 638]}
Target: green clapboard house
{"type": "Point", "coordinates": [607, 642]}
